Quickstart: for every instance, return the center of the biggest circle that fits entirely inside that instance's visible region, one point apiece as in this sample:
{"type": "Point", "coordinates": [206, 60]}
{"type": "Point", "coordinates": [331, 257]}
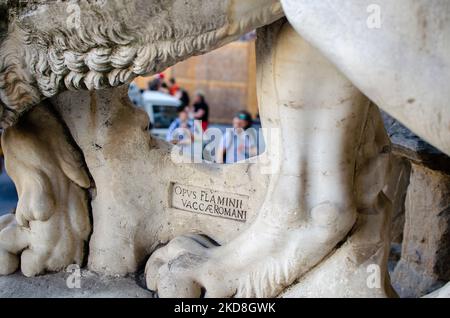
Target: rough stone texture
{"type": "Point", "coordinates": [426, 242]}
{"type": "Point", "coordinates": [395, 190]}
{"type": "Point", "coordinates": [423, 263]}
{"type": "Point", "coordinates": [55, 286]}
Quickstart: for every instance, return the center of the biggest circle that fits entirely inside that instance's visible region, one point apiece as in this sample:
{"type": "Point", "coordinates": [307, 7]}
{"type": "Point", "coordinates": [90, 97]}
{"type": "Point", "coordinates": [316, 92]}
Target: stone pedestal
{"type": "Point", "coordinates": [419, 187]}
{"type": "Point", "coordinates": [395, 190]}
{"type": "Point", "coordinates": [426, 240]}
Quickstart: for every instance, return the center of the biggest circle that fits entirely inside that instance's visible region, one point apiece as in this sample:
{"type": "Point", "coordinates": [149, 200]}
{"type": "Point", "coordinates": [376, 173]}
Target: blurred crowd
{"type": "Point", "coordinates": [237, 143]}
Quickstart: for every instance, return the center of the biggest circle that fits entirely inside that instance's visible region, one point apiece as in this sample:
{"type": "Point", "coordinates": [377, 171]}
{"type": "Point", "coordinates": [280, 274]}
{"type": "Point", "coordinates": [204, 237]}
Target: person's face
{"type": "Point", "coordinates": [239, 123]}
{"type": "Point", "coordinates": [183, 116]}
{"type": "Point", "coordinates": [198, 99]}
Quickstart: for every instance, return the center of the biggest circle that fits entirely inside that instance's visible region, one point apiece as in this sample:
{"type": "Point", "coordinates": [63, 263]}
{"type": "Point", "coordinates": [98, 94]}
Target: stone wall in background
{"type": "Point", "coordinates": [227, 77]}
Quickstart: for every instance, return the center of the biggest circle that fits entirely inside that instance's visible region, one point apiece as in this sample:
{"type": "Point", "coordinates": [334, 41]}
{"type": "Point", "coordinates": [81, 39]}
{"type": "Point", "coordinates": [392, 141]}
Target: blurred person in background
{"type": "Point", "coordinates": [135, 94]}
{"type": "Point", "coordinates": [181, 129]}
{"type": "Point", "coordinates": [174, 88]}
{"type": "Point", "coordinates": [156, 83]}
{"type": "Point", "coordinates": [201, 110]}
{"type": "Point", "coordinates": [240, 142]}
{"type": "Point", "coordinates": [183, 96]}
{"type": "Point", "coordinates": [164, 88]}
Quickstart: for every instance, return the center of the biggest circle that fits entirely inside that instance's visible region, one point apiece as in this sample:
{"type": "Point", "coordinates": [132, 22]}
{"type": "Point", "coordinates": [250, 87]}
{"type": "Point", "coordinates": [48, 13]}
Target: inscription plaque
{"type": "Point", "coordinates": [210, 202]}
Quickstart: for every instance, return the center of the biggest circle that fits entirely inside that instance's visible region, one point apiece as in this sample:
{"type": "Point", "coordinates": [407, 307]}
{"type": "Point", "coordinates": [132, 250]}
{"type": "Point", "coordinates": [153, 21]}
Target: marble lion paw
{"type": "Point", "coordinates": [51, 223]}
{"type": "Point", "coordinates": [9, 261]}
{"type": "Point", "coordinates": [192, 267]}
{"type": "Point", "coordinates": [260, 263]}
{"type": "Point", "coordinates": [176, 269]}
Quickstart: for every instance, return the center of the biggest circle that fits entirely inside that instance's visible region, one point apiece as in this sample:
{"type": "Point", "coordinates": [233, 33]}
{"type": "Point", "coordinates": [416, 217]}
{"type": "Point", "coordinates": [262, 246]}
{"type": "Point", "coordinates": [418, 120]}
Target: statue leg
{"type": "Point", "coordinates": [311, 204]}
{"type": "Point", "coordinates": [392, 51]}
{"type": "Point", "coordinates": [51, 224]}
{"type": "Point", "coordinates": [358, 267]}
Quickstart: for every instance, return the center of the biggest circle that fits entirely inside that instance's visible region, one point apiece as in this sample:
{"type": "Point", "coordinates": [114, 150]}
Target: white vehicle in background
{"type": "Point", "coordinates": [161, 108]}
